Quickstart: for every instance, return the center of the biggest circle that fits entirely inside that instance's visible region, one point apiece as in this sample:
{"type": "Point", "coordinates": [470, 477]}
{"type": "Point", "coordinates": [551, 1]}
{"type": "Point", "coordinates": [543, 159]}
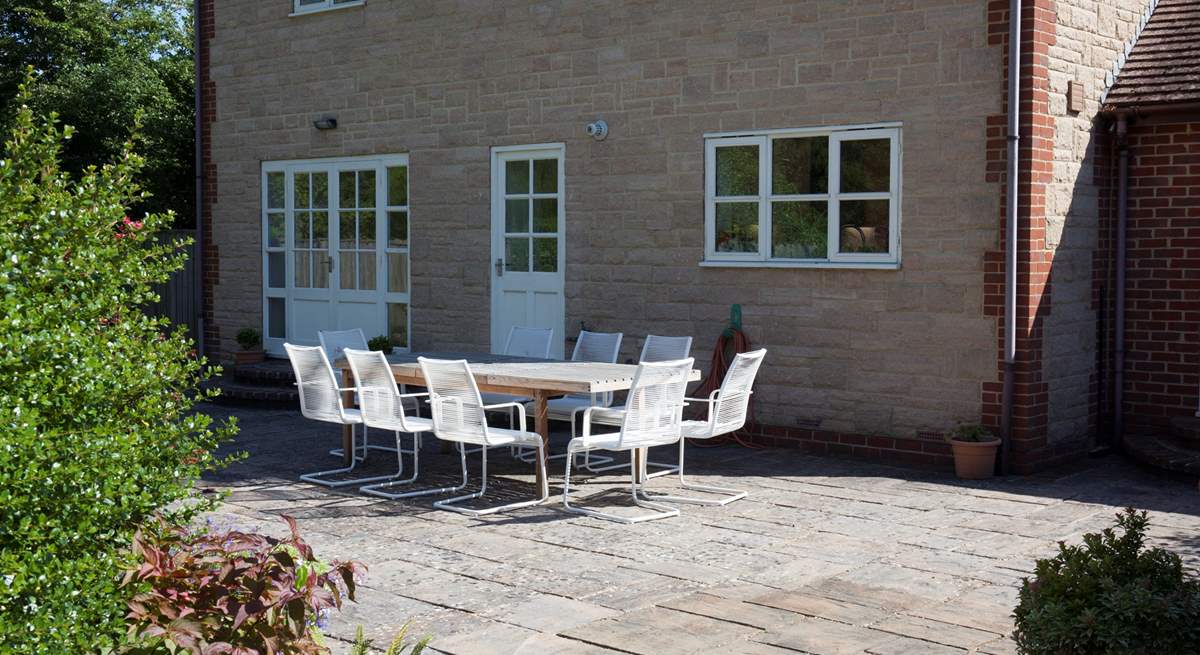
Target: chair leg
{"type": "Point", "coordinates": [451, 503]}
{"type": "Point", "coordinates": [316, 478]}
{"type": "Point", "coordinates": [730, 494]}
{"type": "Point", "coordinates": [661, 511]}
{"type": "Point", "coordinates": [378, 489]}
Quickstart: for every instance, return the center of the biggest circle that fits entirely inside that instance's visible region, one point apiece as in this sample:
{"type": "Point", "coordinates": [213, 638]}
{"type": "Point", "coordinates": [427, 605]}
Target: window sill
{"type": "Point", "coordinates": [873, 266]}
{"type": "Point", "coordinates": [321, 10]}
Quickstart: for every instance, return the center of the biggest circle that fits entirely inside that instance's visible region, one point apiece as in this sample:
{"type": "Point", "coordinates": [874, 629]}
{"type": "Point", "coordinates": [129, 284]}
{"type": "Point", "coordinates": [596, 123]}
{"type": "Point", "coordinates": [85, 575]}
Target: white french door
{"type": "Point", "coordinates": [335, 249]}
{"type": "Point", "coordinates": [528, 244]}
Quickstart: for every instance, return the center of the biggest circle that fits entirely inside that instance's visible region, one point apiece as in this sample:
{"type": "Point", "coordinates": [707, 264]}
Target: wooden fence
{"type": "Point", "coordinates": [177, 298]}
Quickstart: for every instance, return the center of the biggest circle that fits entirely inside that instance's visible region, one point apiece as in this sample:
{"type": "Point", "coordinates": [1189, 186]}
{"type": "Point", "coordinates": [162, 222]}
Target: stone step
{"type": "Point", "coordinates": [1186, 430]}
{"type": "Point", "coordinates": [270, 373]}
{"type": "Point", "coordinates": [237, 393]}
{"type": "Point", "coordinates": [1164, 453]}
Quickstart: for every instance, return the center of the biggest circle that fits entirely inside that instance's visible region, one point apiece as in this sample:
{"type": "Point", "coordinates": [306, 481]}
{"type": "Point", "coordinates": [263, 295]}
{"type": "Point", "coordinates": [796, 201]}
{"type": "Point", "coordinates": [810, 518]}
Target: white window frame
{"type": "Point", "coordinates": [764, 141]}
{"type": "Point", "coordinates": [299, 9]}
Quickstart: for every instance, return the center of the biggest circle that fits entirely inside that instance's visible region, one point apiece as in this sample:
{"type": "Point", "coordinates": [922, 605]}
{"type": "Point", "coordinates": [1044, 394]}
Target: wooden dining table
{"type": "Point", "coordinates": [539, 379]}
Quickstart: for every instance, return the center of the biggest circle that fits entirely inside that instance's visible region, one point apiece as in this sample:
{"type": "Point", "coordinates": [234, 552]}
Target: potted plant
{"type": "Point", "coordinates": [381, 343]}
{"type": "Point", "coordinates": [251, 342]}
{"type": "Point", "coordinates": [974, 450]}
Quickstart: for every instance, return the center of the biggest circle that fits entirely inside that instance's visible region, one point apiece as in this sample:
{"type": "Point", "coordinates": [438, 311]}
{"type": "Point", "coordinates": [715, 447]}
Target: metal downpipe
{"type": "Point", "coordinates": [1119, 310]}
{"type": "Point", "coordinates": [1010, 236]}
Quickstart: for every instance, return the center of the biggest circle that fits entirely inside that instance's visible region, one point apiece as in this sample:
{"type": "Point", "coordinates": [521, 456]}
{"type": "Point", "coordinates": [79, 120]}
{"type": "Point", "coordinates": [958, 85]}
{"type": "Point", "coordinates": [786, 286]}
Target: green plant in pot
{"type": "Point", "coordinates": [974, 448]}
{"type": "Point", "coordinates": [251, 342]}
{"type": "Point", "coordinates": [381, 343]}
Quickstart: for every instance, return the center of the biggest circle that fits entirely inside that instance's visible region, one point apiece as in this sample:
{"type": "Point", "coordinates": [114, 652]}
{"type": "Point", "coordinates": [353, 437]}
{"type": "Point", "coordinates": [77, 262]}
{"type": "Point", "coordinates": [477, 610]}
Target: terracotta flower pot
{"type": "Point", "coordinates": [974, 460]}
{"type": "Point", "coordinates": [248, 356]}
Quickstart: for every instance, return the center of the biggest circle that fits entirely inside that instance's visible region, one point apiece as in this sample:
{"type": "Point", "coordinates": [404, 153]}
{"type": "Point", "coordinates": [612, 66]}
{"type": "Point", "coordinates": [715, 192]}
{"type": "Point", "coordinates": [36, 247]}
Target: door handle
{"type": "Point", "coordinates": [499, 267]}
{"type": "Point", "coordinates": [329, 263]}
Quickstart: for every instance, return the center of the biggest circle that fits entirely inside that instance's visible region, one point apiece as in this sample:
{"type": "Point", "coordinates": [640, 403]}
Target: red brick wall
{"type": "Point", "coordinates": [208, 112]}
{"type": "Point", "coordinates": [1162, 329]}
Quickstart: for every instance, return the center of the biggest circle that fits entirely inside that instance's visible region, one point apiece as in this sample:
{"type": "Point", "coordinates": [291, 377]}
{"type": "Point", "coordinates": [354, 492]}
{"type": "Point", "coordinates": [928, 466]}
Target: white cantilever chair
{"type": "Point", "coordinates": [334, 343]}
{"type": "Point", "coordinates": [655, 349]}
{"type": "Point", "coordinates": [321, 400]}
{"type": "Point", "coordinates": [381, 405]}
{"type": "Point", "coordinates": [727, 409]}
{"type": "Point", "coordinates": [459, 415]}
{"type": "Point", "coordinates": [653, 416]}
{"type": "Point", "coordinates": [522, 342]}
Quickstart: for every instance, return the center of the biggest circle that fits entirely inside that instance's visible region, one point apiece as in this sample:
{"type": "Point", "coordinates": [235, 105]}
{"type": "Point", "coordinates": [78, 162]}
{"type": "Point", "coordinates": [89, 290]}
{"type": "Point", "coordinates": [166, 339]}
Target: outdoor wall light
{"type": "Point", "coordinates": [327, 123]}
{"type": "Point", "coordinates": [597, 130]}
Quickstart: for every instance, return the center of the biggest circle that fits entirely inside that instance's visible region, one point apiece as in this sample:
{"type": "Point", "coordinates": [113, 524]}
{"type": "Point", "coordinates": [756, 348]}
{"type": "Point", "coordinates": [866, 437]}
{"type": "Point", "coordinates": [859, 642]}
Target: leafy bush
{"type": "Point", "coordinates": [249, 338]}
{"type": "Point", "coordinates": [399, 645]}
{"type": "Point", "coordinates": [97, 423]}
{"type": "Point", "coordinates": [970, 432]}
{"type": "Point", "coordinates": [381, 343]}
{"type": "Point", "coordinates": [1110, 595]}
{"type": "Point", "coordinates": [231, 592]}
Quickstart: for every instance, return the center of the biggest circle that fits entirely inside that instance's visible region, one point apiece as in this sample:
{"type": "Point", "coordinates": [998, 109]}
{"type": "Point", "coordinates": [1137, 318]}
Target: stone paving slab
{"type": "Point", "coordinates": [825, 557]}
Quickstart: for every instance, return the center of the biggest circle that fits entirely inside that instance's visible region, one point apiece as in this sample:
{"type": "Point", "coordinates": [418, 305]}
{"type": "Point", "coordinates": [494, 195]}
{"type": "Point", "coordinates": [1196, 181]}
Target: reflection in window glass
{"type": "Point", "coordinates": [397, 191]}
{"type": "Point", "coordinates": [275, 192]}
{"type": "Point", "coordinates": [864, 226]}
{"type": "Point", "coordinates": [397, 272]}
{"type": "Point", "coordinates": [398, 324]}
{"type": "Point", "coordinates": [276, 318]}
{"type": "Point", "coordinates": [276, 270]}
{"type": "Point", "coordinates": [516, 254]}
{"type": "Point", "coordinates": [800, 166]}
{"type": "Point", "coordinates": [866, 166]}
{"type": "Point", "coordinates": [545, 255]}
{"type": "Point", "coordinates": [737, 171]}
{"type": "Point", "coordinates": [737, 227]}
{"type": "Point", "coordinates": [516, 176]}
{"type": "Point", "coordinates": [397, 229]}
{"type": "Point", "coordinates": [545, 215]}
{"type": "Point", "coordinates": [545, 176]}
{"type": "Point", "coordinates": [516, 215]}
{"type": "Point", "coordinates": [799, 230]}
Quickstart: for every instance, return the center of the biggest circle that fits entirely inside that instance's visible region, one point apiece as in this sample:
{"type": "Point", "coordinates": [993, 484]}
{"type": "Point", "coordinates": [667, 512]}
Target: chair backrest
{"type": "Point", "coordinates": [665, 349]}
{"type": "Point", "coordinates": [320, 399]}
{"type": "Point", "coordinates": [654, 407]}
{"type": "Point", "coordinates": [729, 412]}
{"type": "Point", "coordinates": [529, 342]}
{"type": "Point", "coordinates": [378, 396]}
{"type": "Point", "coordinates": [457, 408]}
{"type": "Point", "coordinates": [597, 347]}
{"type": "Point", "coordinates": [335, 341]}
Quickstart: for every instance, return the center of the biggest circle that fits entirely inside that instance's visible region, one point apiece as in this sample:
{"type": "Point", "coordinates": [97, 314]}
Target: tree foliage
{"type": "Point", "coordinates": [98, 428]}
{"type": "Point", "coordinates": [99, 64]}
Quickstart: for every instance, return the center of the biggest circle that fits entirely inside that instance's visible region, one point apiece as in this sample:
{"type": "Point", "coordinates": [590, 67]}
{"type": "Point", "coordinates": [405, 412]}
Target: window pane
{"type": "Point", "coordinates": [320, 230]}
{"type": "Point", "coordinates": [276, 318]}
{"type": "Point", "coordinates": [275, 193]}
{"type": "Point", "coordinates": [398, 324]}
{"type": "Point", "coordinates": [800, 166]}
{"type": "Point", "coordinates": [545, 215]}
{"type": "Point", "coordinates": [366, 270]}
{"type": "Point", "coordinates": [737, 171]}
{"type": "Point", "coordinates": [275, 230]}
{"type": "Point", "coordinates": [346, 189]}
{"type": "Point", "coordinates": [516, 215]}
{"type": "Point", "coordinates": [366, 230]}
{"type": "Point", "coordinates": [737, 227]}
{"type": "Point", "coordinates": [346, 229]}
{"type": "Point", "coordinates": [301, 264]}
{"type": "Point", "coordinates": [397, 229]}
{"type": "Point", "coordinates": [516, 254]}
{"type": "Point", "coordinates": [300, 191]}
{"type": "Point", "coordinates": [397, 191]}
{"type": "Point", "coordinates": [320, 269]}
{"type": "Point", "coordinates": [516, 176]}
{"type": "Point", "coordinates": [864, 226]}
{"type": "Point", "coordinates": [302, 230]}
{"type": "Point", "coordinates": [545, 176]}
{"type": "Point", "coordinates": [275, 270]}
{"type": "Point", "coordinates": [348, 274]}
{"type": "Point", "coordinates": [320, 190]}
{"type": "Point", "coordinates": [799, 230]}
{"type": "Point", "coordinates": [366, 188]}
{"type": "Point", "coordinates": [545, 255]}
{"type": "Point", "coordinates": [866, 166]}
{"type": "Point", "coordinates": [397, 272]}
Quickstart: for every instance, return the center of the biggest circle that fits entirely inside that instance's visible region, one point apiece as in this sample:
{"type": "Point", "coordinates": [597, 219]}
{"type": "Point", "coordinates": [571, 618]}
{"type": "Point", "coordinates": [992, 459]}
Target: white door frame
{"type": "Point", "coordinates": [499, 155]}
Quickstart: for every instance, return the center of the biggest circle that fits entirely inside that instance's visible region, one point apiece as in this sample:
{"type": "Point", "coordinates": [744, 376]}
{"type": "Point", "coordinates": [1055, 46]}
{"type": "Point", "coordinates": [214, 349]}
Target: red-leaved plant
{"type": "Point", "coordinates": [231, 592]}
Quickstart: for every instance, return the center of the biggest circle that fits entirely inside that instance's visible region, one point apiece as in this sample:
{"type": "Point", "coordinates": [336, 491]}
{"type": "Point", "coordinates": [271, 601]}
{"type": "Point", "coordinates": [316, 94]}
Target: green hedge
{"type": "Point", "coordinates": [97, 423]}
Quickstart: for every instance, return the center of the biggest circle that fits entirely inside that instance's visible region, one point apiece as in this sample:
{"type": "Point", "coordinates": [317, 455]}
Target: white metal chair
{"type": "Point", "coordinates": [522, 342]}
{"type": "Point", "coordinates": [655, 349]}
{"type": "Point", "coordinates": [459, 415]}
{"type": "Point", "coordinates": [381, 405]}
{"type": "Point", "coordinates": [727, 409]}
{"type": "Point", "coordinates": [321, 400]}
{"type": "Point", "coordinates": [653, 416]}
{"type": "Point", "coordinates": [334, 343]}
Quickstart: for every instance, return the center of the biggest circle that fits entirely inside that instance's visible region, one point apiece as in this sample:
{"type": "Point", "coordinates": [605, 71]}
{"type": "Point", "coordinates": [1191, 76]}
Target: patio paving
{"type": "Point", "coordinates": [826, 556]}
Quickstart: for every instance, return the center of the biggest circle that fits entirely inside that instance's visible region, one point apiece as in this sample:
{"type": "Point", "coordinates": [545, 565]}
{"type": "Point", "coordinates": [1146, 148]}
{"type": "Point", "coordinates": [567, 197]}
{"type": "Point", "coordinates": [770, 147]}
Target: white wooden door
{"type": "Point", "coordinates": [528, 244]}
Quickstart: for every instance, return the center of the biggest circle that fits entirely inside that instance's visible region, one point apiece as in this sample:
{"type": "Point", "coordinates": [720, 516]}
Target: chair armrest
{"type": "Point", "coordinates": [520, 411]}
{"type": "Point", "coordinates": [415, 395]}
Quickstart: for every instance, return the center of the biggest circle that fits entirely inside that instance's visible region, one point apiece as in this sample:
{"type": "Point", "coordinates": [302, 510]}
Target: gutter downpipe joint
{"type": "Point", "coordinates": [1010, 238]}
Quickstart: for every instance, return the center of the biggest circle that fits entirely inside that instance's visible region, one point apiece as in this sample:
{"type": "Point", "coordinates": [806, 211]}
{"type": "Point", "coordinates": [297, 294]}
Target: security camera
{"type": "Point", "coordinates": [597, 130]}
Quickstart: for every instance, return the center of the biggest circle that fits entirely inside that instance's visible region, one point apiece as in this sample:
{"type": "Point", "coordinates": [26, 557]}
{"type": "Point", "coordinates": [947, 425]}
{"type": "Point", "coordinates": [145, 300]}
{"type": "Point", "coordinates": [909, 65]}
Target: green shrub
{"type": "Point", "coordinates": [97, 423]}
{"type": "Point", "coordinates": [249, 338]}
{"type": "Point", "coordinates": [399, 646]}
{"type": "Point", "coordinates": [970, 432]}
{"type": "Point", "coordinates": [381, 343]}
{"type": "Point", "coordinates": [231, 592]}
{"type": "Point", "coordinates": [1110, 596]}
